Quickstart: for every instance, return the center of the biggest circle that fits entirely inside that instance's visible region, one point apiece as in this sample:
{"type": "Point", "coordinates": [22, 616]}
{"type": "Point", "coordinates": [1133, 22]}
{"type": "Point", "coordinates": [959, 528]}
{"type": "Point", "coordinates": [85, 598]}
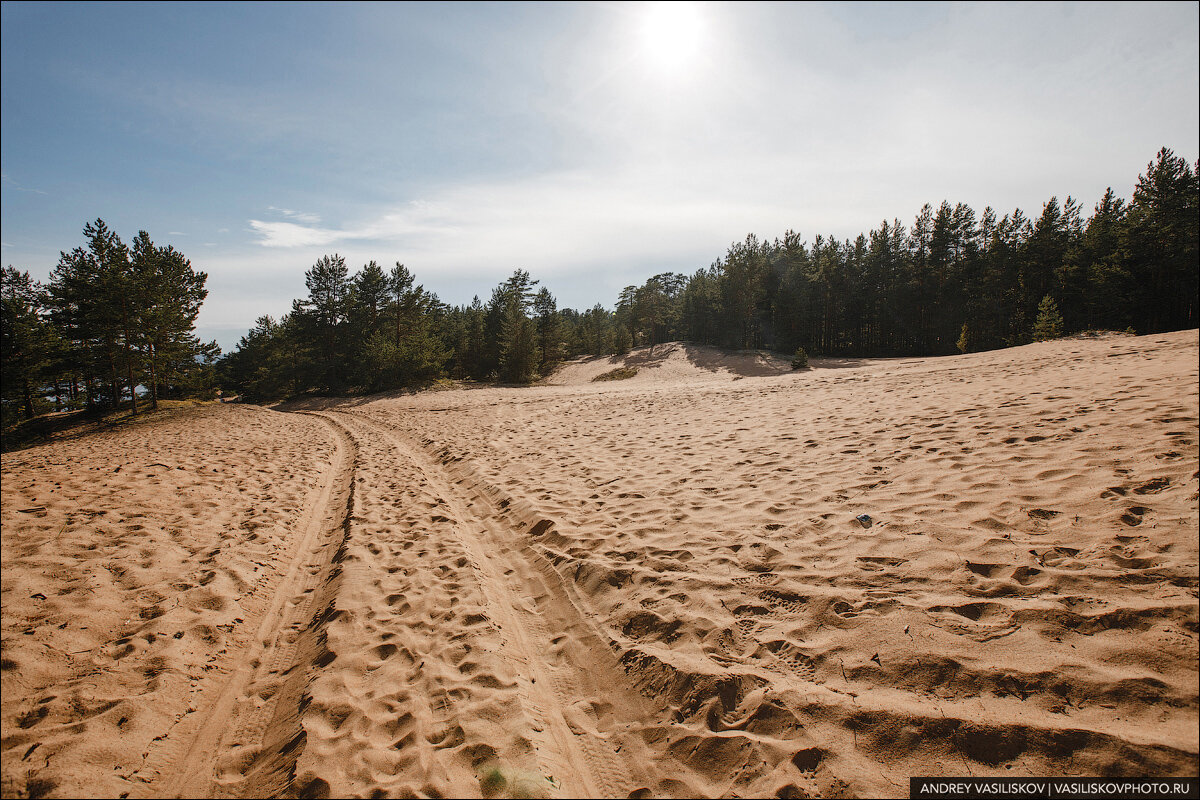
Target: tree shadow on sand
{"type": "Point", "coordinates": [744, 363]}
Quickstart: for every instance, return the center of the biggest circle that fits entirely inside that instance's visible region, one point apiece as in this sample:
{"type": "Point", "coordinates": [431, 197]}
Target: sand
{"type": "Point", "coordinates": [716, 578]}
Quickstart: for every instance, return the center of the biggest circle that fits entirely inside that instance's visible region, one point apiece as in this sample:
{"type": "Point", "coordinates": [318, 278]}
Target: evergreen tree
{"type": "Point", "coordinates": [549, 330]}
{"type": "Point", "coordinates": [1049, 323]}
{"type": "Point", "coordinates": [622, 340]}
{"type": "Point", "coordinates": [259, 366]}
{"type": "Point", "coordinates": [324, 317]}
{"type": "Point", "coordinates": [25, 342]}
{"type": "Point", "coordinates": [369, 297]}
{"type": "Point", "coordinates": [475, 347]}
{"type": "Point", "coordinates": [1162, 244]}
{"type": "Point", "coordinates": [515, 334]}
{"type": "Point", "coordinates": [1109, 284]}
{"type": "Point", "coordinates": [742, 275]}
{"type": "Point", "coordinates": [98, 294]}
{"type": "Point", "coordinates": [170, 294]}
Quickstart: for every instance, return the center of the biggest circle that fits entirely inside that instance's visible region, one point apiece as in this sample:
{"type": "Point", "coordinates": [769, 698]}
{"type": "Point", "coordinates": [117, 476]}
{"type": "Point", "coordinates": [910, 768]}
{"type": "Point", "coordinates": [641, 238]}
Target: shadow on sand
{"type": "Point", "coordinates": [745, 363]}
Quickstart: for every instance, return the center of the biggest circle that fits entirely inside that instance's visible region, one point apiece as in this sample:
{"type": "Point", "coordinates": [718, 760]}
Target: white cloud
{"type": "Point", "coordinates": [576, 220]}
{"type": "Point", "coordinates": [290, 234]}
{"type": "Point", "coordinates": [299, 216]}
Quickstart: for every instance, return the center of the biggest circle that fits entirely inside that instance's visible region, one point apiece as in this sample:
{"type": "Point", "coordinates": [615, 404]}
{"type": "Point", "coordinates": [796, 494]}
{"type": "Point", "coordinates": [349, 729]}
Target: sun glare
{"type": "Point", "coordinates": [672, 33]}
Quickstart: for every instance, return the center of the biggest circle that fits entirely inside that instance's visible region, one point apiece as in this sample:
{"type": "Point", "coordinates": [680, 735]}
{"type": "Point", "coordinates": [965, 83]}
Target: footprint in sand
{"type": "Point", "coordinates": [1153, 486]}
{"type": "Point", "coordinates": [1026, 575]}
{"type": "Point", "coordinates": [985, 570]}
{"type": "Point", "coordinates": [1132, 516]}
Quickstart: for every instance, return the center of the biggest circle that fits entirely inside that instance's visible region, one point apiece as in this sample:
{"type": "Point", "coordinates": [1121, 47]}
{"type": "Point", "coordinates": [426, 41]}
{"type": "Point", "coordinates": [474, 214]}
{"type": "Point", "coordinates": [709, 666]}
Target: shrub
{"type": "Point", "coordinates": [800, 361]}
{"type": "Point", "coordinates": [618, 374]}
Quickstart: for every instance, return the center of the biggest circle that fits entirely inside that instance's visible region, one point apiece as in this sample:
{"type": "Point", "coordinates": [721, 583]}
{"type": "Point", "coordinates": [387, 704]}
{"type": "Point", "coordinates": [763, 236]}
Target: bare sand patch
{"type": "Point", "coordinates": [716, 578]}
{"type": "Point", "coordinates": [138, 565]}
{"type": "Point", "coordinates": [1021, 600]}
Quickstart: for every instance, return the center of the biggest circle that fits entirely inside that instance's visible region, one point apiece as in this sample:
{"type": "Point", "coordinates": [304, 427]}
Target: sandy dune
{"type": "Point", "coordinates": [652, 587]}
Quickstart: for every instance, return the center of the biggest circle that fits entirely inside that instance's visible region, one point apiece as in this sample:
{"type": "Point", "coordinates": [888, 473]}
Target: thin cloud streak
{"type": "Point", "coordinates": [292, 234]}
{"type": "Point", "coordinates": [299, 216]}
{"type": "Point", "coordinates": [11, 184]}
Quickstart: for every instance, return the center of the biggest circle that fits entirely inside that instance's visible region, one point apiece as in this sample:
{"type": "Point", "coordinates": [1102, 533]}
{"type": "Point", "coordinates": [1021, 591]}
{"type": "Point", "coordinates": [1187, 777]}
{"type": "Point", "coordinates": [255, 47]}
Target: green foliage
{"type": "Point", "coordinates": [964, 339]}
{"type": "Point", "coordinates": [898, 291]}
{"type": "Point", "coordinates": [171, 293]}
{"type": "Point", "coordinates": [516, 354]}
{"type": "Point", "coordinates": [952, 281]}
{"type": "Point", "coordinates": [1049, 323]}
{"type": "Point", "coordinates": [618, 374]}
{"type": "Point", "coordinates": [550, 333]}
{"type": "Point", "coordinates": [26, 344]}
{"type": "Point", "coordinates": [112, 318]}
{"type": "Point", "coordinates": [800, 360]}
{"type": "Point", "coordinates": [622, 340]}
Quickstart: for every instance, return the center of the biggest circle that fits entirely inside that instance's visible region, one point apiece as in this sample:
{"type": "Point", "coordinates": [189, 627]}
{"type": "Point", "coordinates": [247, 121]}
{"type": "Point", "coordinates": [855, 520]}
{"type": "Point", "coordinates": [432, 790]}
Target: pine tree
{"type": "Point", "coordinates": [518, 345]}
{"type": "Point", "coordinates": [475, 348]}
{"type": "Point", "coordinates": [507, 324]}
{"type": "Point", "coordinates": [622, 340]}
{"type": "Point", "coordinates": [549, 330]}
{"type": "Point", "coordinates": [1049, 323]}
{"type": "Point", "coordinates": [97, 295]}
{"type": "Point", "coordinates": [411, 351]}
{"type": "Point", "coordinates": [369, 296]}
{"type": "Point", "coordinates": [25, 342]}
{"type": "Point", "coordinates": [169, 293]}
{"type": "Point", "coordinates": [1109, 286]}
{"type": "Point", "coordinates": [325, 313]}
{"type": "Point", "coordinates": [1162, 243]}
{"type": "Point", "coordinates": [367, 303]}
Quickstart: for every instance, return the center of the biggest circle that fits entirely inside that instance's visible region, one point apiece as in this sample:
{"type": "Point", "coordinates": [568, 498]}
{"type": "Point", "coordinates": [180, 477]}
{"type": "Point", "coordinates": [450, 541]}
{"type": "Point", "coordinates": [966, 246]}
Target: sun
{"type": "Point", "coordinates": [672, 34]}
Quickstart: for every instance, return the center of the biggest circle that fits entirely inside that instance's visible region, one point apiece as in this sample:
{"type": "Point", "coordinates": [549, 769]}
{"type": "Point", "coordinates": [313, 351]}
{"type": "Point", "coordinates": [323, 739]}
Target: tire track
{"type": "Point", "coordinates": [557, 673]}
{"type": "Point", "coordinates": [233, 747]}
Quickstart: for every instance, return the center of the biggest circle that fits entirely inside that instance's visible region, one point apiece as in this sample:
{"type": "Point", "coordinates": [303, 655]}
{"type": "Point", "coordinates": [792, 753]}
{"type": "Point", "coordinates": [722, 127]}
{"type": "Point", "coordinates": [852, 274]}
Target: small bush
{"type": "Point", "coordinates": [618, 374]}
{"type": "Point", "coordinates": [1049, 323]}
{"type": "Point", "coordinates": [800, 361]}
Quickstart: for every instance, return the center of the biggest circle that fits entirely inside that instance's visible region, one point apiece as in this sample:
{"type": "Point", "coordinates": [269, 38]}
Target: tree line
{"type": "Point", "coordinates": [376, 330]}
{"type": "Point", "coordinates": [952, 281]}
{"type": "Point", "coordinates": [113, 317]}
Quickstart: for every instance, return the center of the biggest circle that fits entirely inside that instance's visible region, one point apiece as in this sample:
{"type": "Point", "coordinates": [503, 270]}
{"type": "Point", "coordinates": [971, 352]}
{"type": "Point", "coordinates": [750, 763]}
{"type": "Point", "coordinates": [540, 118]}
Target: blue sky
{"type": "Point", "coordinates": [594, 144]}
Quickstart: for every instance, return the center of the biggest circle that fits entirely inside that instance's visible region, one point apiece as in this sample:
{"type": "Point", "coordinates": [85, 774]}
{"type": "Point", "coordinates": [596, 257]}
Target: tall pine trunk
{"type": "Point", "coordinates": [114, 381]}
{"type": "Point", "coordinates": [129, 358]}
{"type": "Point", "coordinates": [153, 377]}
{"type": "Point", "coordinates": [27, 396]}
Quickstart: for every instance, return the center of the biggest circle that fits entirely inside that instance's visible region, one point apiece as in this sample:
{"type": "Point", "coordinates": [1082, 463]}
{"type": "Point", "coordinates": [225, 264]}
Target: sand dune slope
{"type": "Point", "coordinates": [718, 578]}
{"type": "Point", "coordinates": [673, 362]}
{"type": "Point", "coordinates": [1022, 599]}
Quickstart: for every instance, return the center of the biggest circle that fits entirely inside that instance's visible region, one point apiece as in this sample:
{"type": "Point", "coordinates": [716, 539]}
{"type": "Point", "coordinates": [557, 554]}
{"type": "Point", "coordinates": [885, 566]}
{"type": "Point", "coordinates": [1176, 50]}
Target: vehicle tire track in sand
{"type": "Point", "coordinates": [246, 740]}
{"type": "Point", "coordinates": [568, 682]}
